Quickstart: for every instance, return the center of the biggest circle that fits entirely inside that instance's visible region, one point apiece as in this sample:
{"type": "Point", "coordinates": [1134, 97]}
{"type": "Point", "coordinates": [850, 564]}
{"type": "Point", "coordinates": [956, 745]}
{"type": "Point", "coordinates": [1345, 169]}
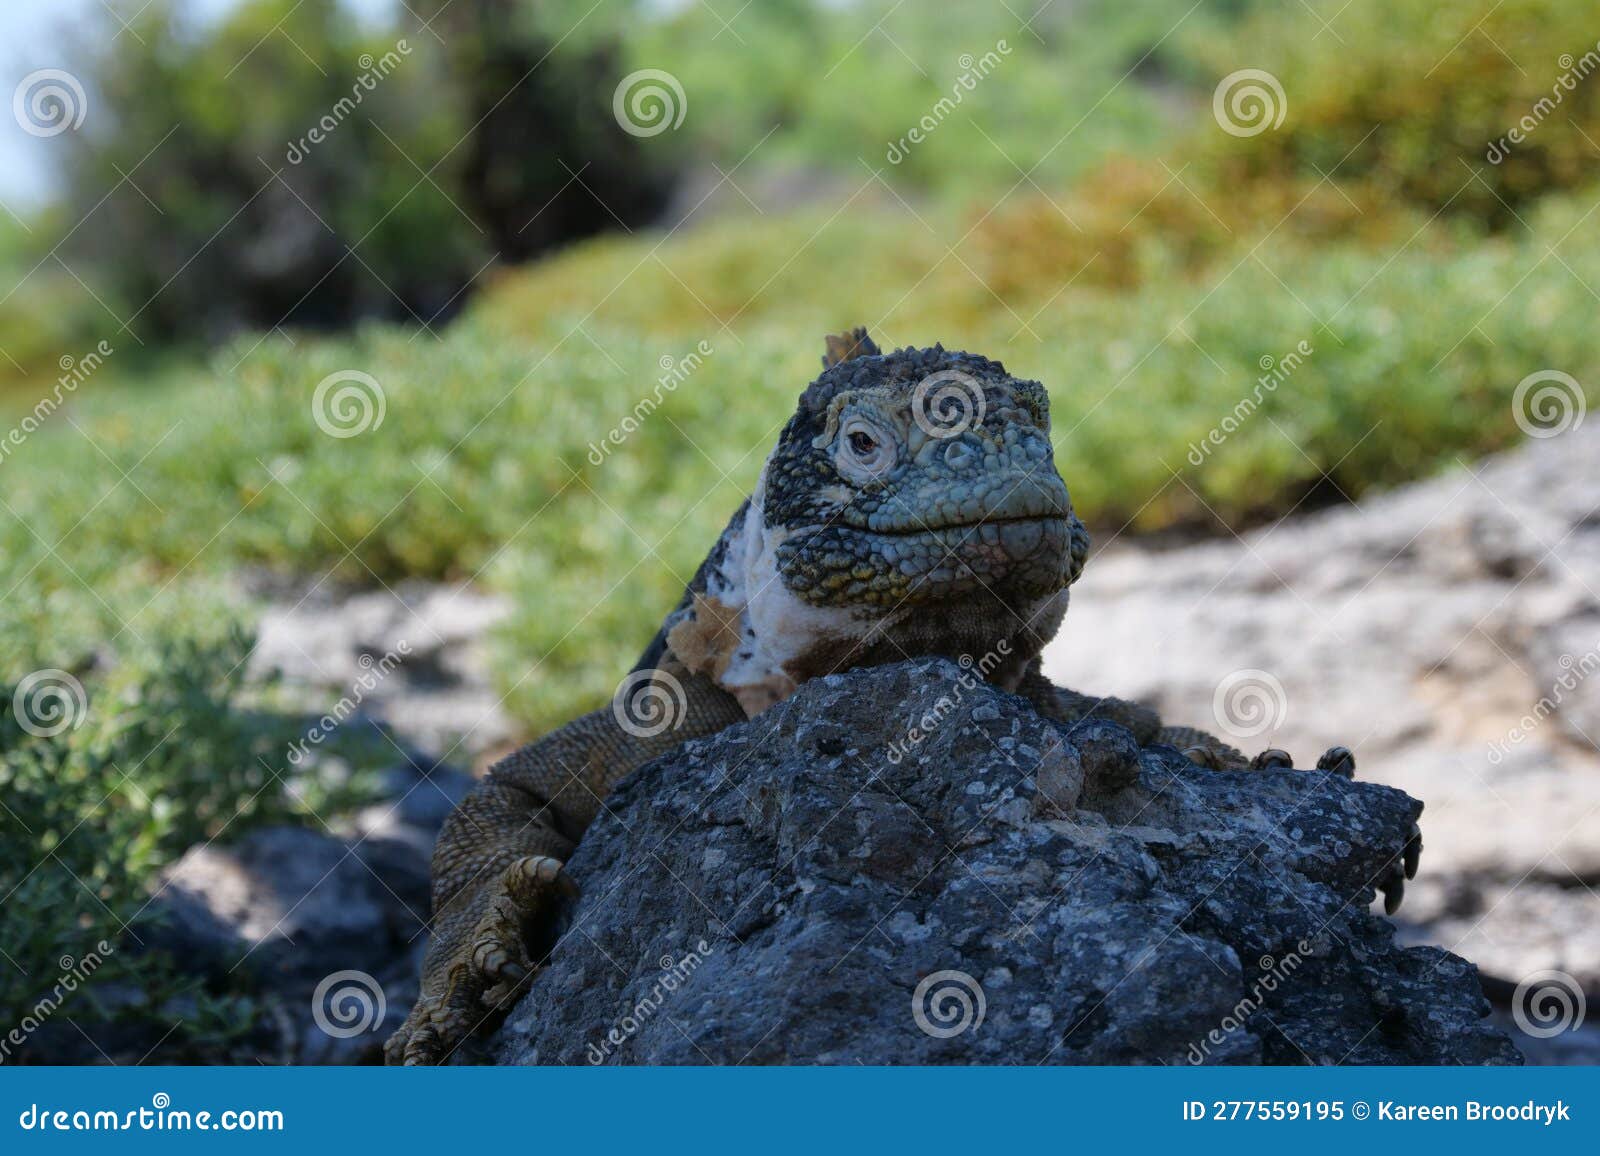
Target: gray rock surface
{"type": "Point", "coordinates": [1449, 633]}
{"type": "Point", "coordinates": [1006, 892]}
{"type": "Point", "coordinates": [323, 641]}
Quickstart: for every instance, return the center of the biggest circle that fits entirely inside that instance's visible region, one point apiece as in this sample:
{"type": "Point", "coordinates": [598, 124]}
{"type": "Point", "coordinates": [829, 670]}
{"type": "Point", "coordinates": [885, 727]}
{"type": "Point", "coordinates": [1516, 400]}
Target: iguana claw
{"type": "Point", "coordinates": [1340, 760]}
{"type": "Point", "coordinates": [1393, 884]}
{"type": "Point", "coordinates": [486, 969]}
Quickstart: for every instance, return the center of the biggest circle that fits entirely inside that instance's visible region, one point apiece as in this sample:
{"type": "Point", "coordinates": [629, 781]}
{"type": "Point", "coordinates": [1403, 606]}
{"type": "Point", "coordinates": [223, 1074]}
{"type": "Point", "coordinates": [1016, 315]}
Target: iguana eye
{"type": "Point", "coordinates": [864, 452]}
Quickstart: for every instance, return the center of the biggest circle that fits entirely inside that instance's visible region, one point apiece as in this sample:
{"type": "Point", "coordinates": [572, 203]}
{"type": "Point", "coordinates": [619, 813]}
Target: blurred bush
{"type": "Point", "coordinates": [811, 87]}
{"type": "Point", "coordinates": [1419, 100]}
{"type": "Point", "coordinates": [45, 314]}
{"type": "Point", "coordinates": [288, 165]}
{"type": "Point", "coordinates": [159, 752]}
{"type": "Point", "coordinates": [484, 466]}
{"type": "Point", "coordinates": [543, 159]}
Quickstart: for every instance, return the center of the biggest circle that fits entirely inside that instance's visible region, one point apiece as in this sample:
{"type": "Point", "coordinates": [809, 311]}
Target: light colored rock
{"type": "Point", "coordinates": [434, 692]}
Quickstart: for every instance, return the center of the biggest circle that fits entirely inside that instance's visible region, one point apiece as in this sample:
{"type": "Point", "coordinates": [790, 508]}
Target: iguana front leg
{"type": "Point", "coordinates": [498, 862]}
{"type": "Point", "coordinates": [1202, 747]}
{"type": "Point", "coordinates": [1207, 750]}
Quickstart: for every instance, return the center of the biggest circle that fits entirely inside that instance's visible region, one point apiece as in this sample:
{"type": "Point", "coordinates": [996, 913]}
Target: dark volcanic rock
{"type": "Point", "coordinates": [818, 886]}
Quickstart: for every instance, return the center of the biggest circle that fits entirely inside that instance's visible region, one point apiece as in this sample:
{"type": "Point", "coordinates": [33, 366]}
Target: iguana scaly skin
{"type": "Point", "coordinates": [911, 507]}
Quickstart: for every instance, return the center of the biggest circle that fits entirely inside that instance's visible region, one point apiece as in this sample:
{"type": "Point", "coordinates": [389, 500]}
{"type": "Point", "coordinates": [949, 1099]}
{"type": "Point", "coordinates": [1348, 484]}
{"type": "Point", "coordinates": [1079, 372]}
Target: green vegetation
{"type": "Point", "coordinates": [1144, 275]}
{"type": "Point", "coordinates": [482, 465]}
{"type": "Point", "coordinates": [101, 791]}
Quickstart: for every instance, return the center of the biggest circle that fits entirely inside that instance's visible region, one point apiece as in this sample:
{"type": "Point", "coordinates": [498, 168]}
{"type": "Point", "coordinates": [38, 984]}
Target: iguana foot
{"type": "Point", "coordinates": [482, 972]}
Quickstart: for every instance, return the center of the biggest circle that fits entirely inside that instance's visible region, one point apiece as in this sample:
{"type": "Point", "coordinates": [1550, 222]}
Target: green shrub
{"type": "Point", "coordinates": [484, 465]}
{"type": "Point", "coordinates": [291, 166]}
{"type": "Point", "coordinates": [1419, 99]}
{"type": "Point", "coordinates": [807, 87]}
{"type": "Point", "coordinates": [108, 771]}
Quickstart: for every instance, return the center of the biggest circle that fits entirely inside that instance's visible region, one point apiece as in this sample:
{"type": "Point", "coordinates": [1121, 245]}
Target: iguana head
{"type": "Point", "coordinates": [910, 507]}
{"type": "Point", "coordinates": [918, 477]}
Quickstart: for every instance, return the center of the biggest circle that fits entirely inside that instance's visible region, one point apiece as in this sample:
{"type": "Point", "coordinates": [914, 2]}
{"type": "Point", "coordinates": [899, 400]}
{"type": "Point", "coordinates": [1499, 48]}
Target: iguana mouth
{"type": "Point", "coordinates": [997, 520]}
{"type": "Point", "coordinates": [839, 564]}
{"type": "Point", "coordinates": [922, 529]}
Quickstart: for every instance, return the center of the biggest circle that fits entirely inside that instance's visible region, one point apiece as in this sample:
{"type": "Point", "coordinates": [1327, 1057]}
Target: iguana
{"type": "Point", "coordinates": [910, 507]}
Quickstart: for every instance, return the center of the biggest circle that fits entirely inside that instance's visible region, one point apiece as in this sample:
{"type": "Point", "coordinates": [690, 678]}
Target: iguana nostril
{"type": "Point", "coordinates": [958, 455]}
